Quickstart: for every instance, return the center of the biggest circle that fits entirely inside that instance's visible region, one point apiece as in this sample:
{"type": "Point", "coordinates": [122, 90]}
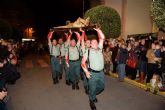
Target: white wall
{"type": "Point", "coordinates": [135, 15]}
{"type": "Point", "coordinates": [116, 4]}
{"type": "Point", "coordinates": [138, 17]}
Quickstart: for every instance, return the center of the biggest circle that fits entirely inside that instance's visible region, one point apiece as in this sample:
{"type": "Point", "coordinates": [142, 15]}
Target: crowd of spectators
{"type": "Point", "coordinates": [9, 74]}
{"type": "Point", "coordinates": [137, 59]}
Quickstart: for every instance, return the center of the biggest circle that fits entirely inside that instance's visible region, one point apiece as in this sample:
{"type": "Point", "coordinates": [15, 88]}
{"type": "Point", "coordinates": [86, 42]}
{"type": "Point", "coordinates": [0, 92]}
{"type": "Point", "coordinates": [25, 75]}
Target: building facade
{"type": "Point", "coordinates": [135, 15]}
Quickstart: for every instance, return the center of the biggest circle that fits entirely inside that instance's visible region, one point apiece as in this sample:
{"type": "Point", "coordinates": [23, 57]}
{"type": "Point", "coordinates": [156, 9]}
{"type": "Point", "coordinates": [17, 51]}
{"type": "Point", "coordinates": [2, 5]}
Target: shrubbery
{"type": "Point", "coordinates": [108, 18]}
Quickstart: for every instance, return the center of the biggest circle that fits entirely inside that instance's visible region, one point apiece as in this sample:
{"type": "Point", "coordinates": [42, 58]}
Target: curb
{"type": "Point", "coordinates": [132, 82]}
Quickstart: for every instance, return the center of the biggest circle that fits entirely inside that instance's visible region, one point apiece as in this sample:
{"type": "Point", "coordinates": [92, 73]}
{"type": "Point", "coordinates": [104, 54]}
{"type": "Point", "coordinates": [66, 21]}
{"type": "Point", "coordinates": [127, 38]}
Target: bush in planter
{"type": "Point", "coordinates": [107, 18]}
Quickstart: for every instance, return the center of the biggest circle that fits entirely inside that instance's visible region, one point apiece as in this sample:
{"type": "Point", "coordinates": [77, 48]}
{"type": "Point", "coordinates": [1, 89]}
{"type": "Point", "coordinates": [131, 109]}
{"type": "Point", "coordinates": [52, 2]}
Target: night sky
{"type": "Point", "coordinates": [46, 13]}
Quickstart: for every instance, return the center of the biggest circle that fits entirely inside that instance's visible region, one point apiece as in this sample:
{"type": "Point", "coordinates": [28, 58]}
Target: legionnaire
{"type": "Point", "coordinates": [81, 55]}
{"type": "Point", "coordinates": [73, 60]}
{"type": "Point", "coordinates": [54, 57]}
{"type": "Point", "coordinates": [85, 45]}
{"type": "Point", "coordinates": [94, 71]}
{"type": "Point", "coordinates": [62, 50]}
{"type": "Point", "coordinates": [67, 76]}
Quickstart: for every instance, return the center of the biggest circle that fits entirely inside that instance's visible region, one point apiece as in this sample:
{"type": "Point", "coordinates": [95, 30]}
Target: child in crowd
{"type": "Point", "coordinates": [157, 50]}
{"type": "Point", "coordinates": [155, 84]}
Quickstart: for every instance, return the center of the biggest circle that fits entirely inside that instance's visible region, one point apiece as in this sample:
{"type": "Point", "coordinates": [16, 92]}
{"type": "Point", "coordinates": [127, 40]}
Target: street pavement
{"type": "Point", "coordinates": [36, 91]}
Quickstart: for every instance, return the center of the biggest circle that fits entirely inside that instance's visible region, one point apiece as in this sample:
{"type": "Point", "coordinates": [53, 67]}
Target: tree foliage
{"type": "Point", "coordinates": [108, 18]}
{"type": "Point", "coordinates": [158, 13]}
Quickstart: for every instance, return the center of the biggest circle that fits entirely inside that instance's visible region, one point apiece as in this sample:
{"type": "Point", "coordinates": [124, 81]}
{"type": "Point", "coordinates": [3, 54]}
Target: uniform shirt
{"type": "Point", "coordinates": [82, 51]}
{"type": "Point", "coordinates": [54, 50]}
{"type": "Point", "coordinates": [62, 49]}
{"type": "Point", "coordinates": [96, 60]}
{"type": "Point", "coordinates": [73, 52]}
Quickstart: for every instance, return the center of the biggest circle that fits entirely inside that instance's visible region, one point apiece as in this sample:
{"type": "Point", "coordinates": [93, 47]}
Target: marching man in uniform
{"type": "Point", "coordinates": [85, 46]}
{"type": "Point", "coordinates": [62, 49]}
{"type": "Point", "coordinates": [54, 57]}
{"type": "Point", "coordinates": [94, 69]}
{"type": "Point", "coordinates": [73, 60]}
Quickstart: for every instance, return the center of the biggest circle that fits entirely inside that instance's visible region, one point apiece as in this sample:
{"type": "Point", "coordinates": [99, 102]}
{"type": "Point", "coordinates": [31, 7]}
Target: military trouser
{"type": "Point", "coordinates": [74, 71]}
{"type": "Point", "coordinates": [81, 70]}
{"type": "Point", "coordinates": [62, 66]}
{"type": "Point", "coordinates": [85, 81]}
{"type": "Point", "coordinates": [55, 66]}
{"type": "Point", "coordinates": [95, 84]}
{"type": "Point", "coordinates": [67, 76]}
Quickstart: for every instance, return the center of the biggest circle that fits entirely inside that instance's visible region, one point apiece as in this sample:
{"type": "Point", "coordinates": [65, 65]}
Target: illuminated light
{"type": "Point", "coordinates": [26, 39]}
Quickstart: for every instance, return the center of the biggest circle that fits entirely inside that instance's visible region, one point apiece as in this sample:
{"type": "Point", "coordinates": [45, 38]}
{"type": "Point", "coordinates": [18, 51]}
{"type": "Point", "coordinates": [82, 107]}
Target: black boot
{"type": "Point", "coordinates": [54, 81]}
{"type": "Point", "coordinates": [92, 105]}
{"type": "Point", "coordinates": [57, 80]}
{"type": "Point", "coordinates": [73, 86]}
{"type": "Point", "coordinates": [60, 77]}
{"type": "Point", "coordinates": [77, 86]}
{"type": "Point", "coordinates": [82, 77]}
{"type": "Point", "coordinates": [95, 101]}
{"type": "Point", "coordinates": [86, 89]}
{"type": "Point", "coordinates": [67, 82]}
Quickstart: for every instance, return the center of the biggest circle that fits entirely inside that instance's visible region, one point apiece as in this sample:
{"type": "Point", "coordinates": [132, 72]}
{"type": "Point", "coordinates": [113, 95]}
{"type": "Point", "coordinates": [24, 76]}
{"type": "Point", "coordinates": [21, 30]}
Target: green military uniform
{"type": "Point", "coordinates": [54, 60]}
{"type": "Point", "coordinates": [62, 56]}
{"type": "Point", "coordinates": [81, 70]}
{"type": "Point", "coordinates": [95, 66]}
{"type": "Point", "coordinates": [74, 64]}
{"type": "Point", "coordinates": [85, 82]}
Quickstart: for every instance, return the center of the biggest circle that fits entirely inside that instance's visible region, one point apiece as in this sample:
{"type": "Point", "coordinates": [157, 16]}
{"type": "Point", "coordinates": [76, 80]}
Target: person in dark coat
{"type": "Point", "coordinates": [3, 94]}
{"type": "Point", "coordinates": [121, 61]}
{"type": "Point", "coordinates": [114, 55]}
{"type": "Point", "coordinates": [162, 69]}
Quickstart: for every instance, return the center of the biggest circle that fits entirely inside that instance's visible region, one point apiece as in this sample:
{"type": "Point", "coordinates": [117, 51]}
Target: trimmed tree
{"type": "Point", "coordinates": [108, 18]}
{"type": "Point", "coordinates": [158, 13]}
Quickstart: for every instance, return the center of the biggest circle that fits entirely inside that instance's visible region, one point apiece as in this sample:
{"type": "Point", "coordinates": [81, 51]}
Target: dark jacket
{"type": "Point", "coordinates": [163, 62]}
{"type": "Point", "coordinates": [142, 54]}
{"type": "Point", "coordinates": [2, 105]}
{"type": "Point", "coordinates": [114, 53]}
{"type": "Point", "coordinates": [122, 56]}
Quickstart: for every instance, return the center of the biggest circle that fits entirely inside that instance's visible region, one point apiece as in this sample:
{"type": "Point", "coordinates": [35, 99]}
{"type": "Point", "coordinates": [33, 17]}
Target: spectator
{"type": "Point", "coordinates": [114, 51]}
{"type": "Point", "coordinates": [131, 70]}
{"type": "Point", "coordinates": [155, 84]}
{"type": "Point", "coordinates": [142, 61]}
{"type": "Point", "coordinates": [121, 60]}
{"type": "Point", "coordinates": [107, 60]}
{"type": "Point", "coordinates": [3, 94]}
{"type": "Point", "coordinates": [152, 67]}
{"type": "Point", "coordinates": [162, 69]}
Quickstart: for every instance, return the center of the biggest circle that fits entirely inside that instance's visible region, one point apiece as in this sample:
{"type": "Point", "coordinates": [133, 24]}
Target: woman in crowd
{"type": "Point", "coordinates": [121, 61]}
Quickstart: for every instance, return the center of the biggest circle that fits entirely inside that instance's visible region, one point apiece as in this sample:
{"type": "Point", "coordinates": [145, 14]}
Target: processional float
{"type": "Point", "coordinates": [84, 24]}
